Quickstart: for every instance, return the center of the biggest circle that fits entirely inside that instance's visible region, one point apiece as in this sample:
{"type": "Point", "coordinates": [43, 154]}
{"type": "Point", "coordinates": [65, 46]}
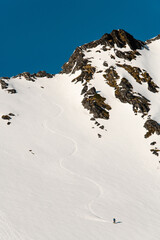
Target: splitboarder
{"type": "Point", "coordinates": [114, 220]}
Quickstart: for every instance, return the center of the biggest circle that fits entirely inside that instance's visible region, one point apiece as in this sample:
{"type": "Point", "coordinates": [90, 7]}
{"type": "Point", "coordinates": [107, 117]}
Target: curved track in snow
{"type": "Point", "coordinates": [92, 214]}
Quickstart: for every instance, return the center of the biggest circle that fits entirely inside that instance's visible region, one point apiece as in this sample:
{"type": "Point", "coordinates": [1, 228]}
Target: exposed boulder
{"type": "Point", "coordinates": [4, 85]}
{"type": "Point", "coordinates": [6, 117]}
{"type": "Point", "coordinates": [12, 91]}
{"type": "Point", "coordinates": [105, 64]}
{"type": "Point", "coordinates": [155, 151]}
{"type": "Point", "coordinates": [152, 127]}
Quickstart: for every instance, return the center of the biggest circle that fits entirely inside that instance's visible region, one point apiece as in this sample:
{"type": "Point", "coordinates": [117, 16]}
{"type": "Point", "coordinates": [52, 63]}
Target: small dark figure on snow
{"type": "Point", "coordinates": [114, 220]}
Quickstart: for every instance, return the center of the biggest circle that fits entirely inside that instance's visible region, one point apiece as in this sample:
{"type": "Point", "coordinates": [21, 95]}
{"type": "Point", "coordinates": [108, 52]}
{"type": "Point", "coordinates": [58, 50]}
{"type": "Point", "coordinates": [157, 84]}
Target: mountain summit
{"type": "Point", "coordinates": [125, 65]}
{"type": "Point", "coordinates": [81, 147]}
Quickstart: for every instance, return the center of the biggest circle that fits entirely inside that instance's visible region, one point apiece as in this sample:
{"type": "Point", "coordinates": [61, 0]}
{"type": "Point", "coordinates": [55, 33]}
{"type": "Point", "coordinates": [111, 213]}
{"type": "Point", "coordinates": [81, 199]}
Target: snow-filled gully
{"type": "Point", "coordinates": [92, 214]}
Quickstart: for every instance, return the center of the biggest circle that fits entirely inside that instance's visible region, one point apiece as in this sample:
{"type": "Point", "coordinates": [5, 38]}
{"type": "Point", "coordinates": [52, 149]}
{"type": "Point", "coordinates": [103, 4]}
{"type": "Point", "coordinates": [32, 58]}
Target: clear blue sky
{"type": "Point", "coordinates": [41, 35]}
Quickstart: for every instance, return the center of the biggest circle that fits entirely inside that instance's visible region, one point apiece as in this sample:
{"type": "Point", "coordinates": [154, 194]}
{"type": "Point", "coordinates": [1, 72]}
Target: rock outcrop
{"type": "Point", "coordinates": [141, 76]}
{"type": "Point", "coordinates": [32, 77]}
{"type": "Point", "coordinates": [96, 105]}
{"type": "Point", "coordinates": [152, 127]}
{"type": "Point", "coordinates": [121, 49]}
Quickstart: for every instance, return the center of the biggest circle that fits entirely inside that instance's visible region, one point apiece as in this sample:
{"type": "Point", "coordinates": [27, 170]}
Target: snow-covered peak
{"type": "Point", "coordinates": [119, 66]}
{"type": "Point", "coordinates": [76, 147]}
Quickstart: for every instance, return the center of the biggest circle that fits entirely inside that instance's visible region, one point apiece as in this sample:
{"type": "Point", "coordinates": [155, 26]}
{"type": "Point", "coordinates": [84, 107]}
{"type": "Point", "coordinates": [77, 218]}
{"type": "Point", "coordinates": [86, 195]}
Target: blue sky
{"type": "Point", "coordinates": [41, 35]}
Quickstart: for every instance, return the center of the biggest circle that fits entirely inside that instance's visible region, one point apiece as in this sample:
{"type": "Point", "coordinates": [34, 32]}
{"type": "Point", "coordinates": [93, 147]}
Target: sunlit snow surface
{"type": "Point", "coordinates": [59, 181]}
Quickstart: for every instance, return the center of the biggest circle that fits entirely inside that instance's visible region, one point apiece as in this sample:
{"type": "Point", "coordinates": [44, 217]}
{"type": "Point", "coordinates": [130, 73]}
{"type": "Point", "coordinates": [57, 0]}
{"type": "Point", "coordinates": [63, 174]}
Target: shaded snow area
{"type": "Point", "coordinates": [59, 181]}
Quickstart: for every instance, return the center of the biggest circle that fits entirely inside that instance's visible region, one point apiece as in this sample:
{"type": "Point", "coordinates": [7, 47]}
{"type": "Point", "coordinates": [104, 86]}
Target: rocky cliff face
{"type": "Point", "coordinates": [116, 58]}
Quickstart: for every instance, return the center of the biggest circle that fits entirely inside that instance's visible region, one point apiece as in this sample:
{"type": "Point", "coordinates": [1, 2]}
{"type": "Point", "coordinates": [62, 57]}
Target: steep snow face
{"type": "Point", "coordinates": [64, 176]}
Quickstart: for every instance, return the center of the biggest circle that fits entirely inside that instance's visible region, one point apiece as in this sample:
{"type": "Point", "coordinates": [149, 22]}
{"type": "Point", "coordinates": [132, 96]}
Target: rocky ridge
{"type": "Point", "coordinates": [120, 49]}
{"type": "Point", "coordinates": [116, 54]}
{"type": "Point", "coordinates": [4, 81]}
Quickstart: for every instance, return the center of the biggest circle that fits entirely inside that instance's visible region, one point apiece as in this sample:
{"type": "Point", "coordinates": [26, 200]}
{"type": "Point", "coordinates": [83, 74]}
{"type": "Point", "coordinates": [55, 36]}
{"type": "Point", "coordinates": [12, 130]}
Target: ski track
{"type": "Point", "coordinates": [95, 216]}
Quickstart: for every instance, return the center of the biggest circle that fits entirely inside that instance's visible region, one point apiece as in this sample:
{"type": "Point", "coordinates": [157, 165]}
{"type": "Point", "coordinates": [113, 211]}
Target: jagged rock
{"type": "Point", "coordinates": [121, 38]}
{"type": "Point", "coordinates": [113, 57]}
{"type": "Point", "coordinates": [91, 91]}
{"type": "Point", "coordinates": [153, 39]}
{"type": "Point", "coordinates": [152, 127]}
{"type": "Point", "coordinates": [152, 86]}
{"type": "Point", "coordinates": [4, 85]}
{"type": "Point", "coordinates": [125, 84]}
{"type": "Point", "coordinates": [99, 135]}
{"type": "Point", "coordinates": [6, 117]}
{"type": "Point", "coordinates": [155, 152]}
{"type": "Point", "coordinates": [11, 114]}
{"type": "Point", "coordinates": [140, 76]}
{"type": "Point", "coordinates": [130, 55]}
{"type": "Point", "coordinates": [140, 104]}
{"type": "Point", "coordinates": [95, 109]}
{"type": "Point", "coordinates": [124, 93]}
{"type": "Point", "coordinates": [111, 76]}
{"type": "Point", "coordinates": [97, 123]}
{"type": "Point", "coordinates": [85, 88]}
{"type": "Point", "coordinates": [95, 104]}
{"type": "Point", "coordinates": [105, 64]}
{"type": "Point", "coordinates": [76, 60]}
{"type": "Point", "coordinates": [118, 37]}
{"type": "Point", "coordinates": [26, 75]}
{"type": "Point", "coordinates": [12, 91]}
{"type": "Point", "coordinates": [32, 77]}
{"type": "Point", "coordinates": [86, 74]}
{"type": "Point", "coordinates": [43, 74]}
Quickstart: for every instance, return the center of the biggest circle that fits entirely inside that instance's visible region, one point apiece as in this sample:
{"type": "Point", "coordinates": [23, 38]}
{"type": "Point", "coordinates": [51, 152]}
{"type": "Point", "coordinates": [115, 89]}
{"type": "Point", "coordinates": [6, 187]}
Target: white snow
{"type": "Point", "coordinates": [58, 180]}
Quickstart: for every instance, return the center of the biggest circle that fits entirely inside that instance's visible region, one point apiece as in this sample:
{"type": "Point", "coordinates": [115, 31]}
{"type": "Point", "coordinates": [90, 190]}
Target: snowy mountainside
{"type": "Point", "coordinates": [76, 147]}
{"type": "Point", "coordinates": [125, 64]}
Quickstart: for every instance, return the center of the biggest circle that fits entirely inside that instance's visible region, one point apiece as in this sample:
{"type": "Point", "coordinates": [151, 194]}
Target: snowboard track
{"type": "Point", "coordinates": [95, 216]}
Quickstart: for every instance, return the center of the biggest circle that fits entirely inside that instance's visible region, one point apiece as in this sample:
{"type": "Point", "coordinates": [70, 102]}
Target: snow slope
{"type": "Point", "coordinates": [58, 180]}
